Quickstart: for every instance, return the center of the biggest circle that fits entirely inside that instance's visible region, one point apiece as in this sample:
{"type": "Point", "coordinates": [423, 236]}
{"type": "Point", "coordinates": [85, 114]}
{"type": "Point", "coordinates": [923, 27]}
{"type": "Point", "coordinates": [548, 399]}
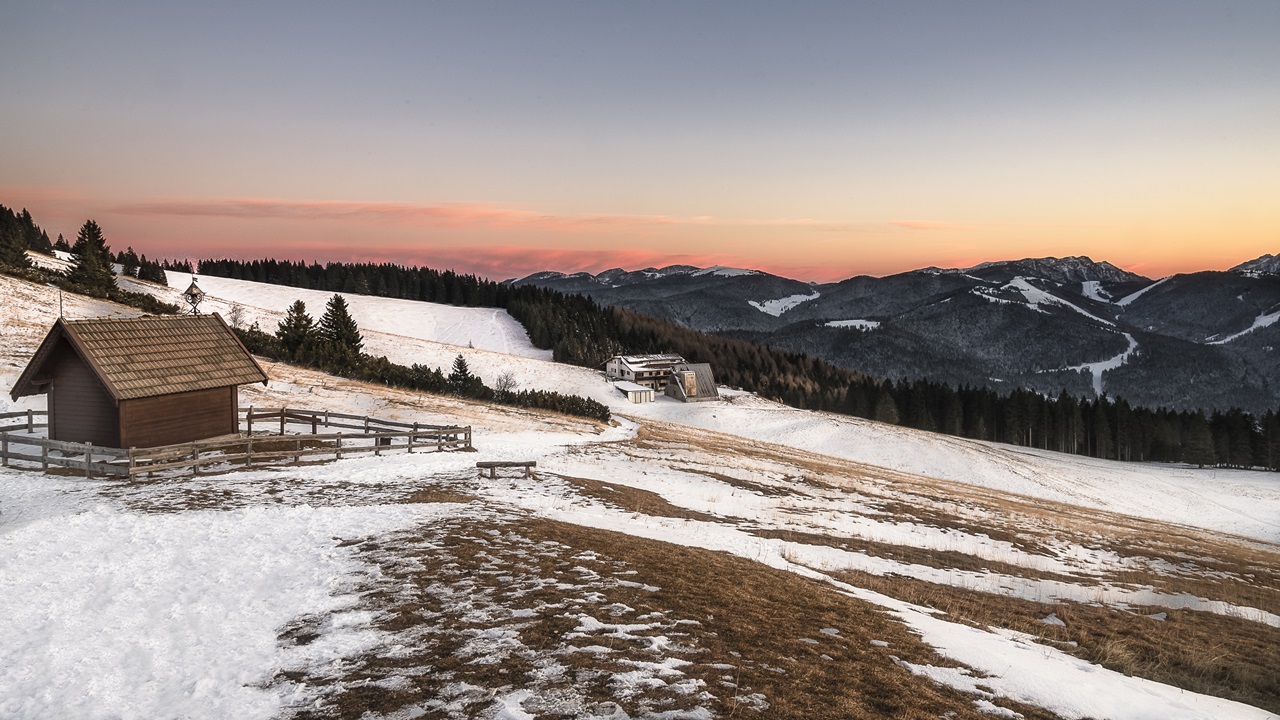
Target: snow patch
{"type": "Point", "coordinates": [1036, 297]}
{"type": "Point", "coordinates": [1092, 289]}
{"type": "Point", "coordinates": [1124, 302]}
{"type": "Point", "coordinates": [858, 324]}
{"type": "Point", "coordinates": [722, 271]}
{"type": "Point", "coordinates": [1260, 322]}
{"type": "Point", "coordinates": [781, 305]}
{"type": "Point", "coordinates": [1097, 368]}
{"type": "Point", "coordinates": [106, 614]}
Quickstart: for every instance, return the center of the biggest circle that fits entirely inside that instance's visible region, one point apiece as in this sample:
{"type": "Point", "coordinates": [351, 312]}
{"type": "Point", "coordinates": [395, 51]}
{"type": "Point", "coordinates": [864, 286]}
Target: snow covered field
{"type": "Point", "coordinates": [274, 592]}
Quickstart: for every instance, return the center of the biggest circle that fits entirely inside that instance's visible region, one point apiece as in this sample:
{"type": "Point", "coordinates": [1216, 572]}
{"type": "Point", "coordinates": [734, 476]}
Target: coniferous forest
{"type": "Point", "coordinates": [580, 332]}
{"type": "Point", "coordinates": [91, 259]}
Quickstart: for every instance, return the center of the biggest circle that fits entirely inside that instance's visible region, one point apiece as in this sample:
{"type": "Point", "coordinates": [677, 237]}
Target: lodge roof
{"type": "Point", "coordinates": [148, 356]}
{"type": "Point", "coordinates": [649, 362]}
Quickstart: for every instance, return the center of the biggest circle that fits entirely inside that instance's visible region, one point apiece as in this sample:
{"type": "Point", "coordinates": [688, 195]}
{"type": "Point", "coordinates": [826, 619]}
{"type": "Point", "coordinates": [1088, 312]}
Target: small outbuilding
{"type": "Point", "coordinates": [635, 393]}
{"type": "Point", "coordinates": [692, 382]}
{"type": "Point", "coordinates": [140, 382]}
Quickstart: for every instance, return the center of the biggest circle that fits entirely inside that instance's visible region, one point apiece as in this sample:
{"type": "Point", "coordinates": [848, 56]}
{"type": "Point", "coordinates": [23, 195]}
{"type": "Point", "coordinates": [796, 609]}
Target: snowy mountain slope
{"type": "Point", "coordinates": [1267, 264]}
{"type": "Point", "coordinates": [268, 592]}
{"type": "Point", "coordinates": [927, 330]}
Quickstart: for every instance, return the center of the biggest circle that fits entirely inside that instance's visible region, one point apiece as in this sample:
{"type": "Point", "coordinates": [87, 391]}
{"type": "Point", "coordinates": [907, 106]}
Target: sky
{"type": "Point", "coordinates": [813, 140]}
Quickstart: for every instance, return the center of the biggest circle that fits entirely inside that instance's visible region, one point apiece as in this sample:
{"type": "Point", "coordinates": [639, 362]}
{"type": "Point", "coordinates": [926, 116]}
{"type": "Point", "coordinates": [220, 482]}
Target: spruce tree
{"type": "Point", "coordinates": [297, 332]}
{"type": "Point", "coordinates": [339, 337]}
{"type": "Point", "coordinates": [92, 269]}
{"type": "Point", "coordinates": [62, 244]}
{"type": "Point", "coordinates": [338, 327]}
{"type": "Point", "coordinates": [462, 382]}
{"type": "Point", "coordinates": [13, 248]}
{"type": "Point", "coordinates": [129, 262]}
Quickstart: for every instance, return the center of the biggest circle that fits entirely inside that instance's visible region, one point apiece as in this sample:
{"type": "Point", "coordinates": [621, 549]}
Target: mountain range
{"type": "Point", "coordinates": [1204, 340]}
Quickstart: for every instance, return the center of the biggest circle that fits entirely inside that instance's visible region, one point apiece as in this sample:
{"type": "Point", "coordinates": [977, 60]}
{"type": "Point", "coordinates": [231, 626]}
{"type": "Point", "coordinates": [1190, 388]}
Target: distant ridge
{"type": "Point", "coordinates": [1049, 324]}
{"type": "Point", "coordinates": [1267, 264]}
{"type": "Point", "coordinates": [1073, 269]}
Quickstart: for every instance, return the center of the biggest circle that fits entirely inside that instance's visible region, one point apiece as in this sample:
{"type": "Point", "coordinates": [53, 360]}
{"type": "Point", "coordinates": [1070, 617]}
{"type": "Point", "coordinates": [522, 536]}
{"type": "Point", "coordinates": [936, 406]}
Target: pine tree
{"type": "Point", "coordinates": [297, 332]}
{"type": "Point", "coordinates": [462, 382]}
{"type": "Point", "coordinates": [339, 337]}
{"type": "Point", "coordinates": [13, 248]}
{"type": "Point", "coordinates": [129, 262]}
{"type": "Point", "coordinates": [62, 244]}
{"type": "Point", "coordinates": [92, 269]}
{"type": "Point", "coordinates": [338, 327]}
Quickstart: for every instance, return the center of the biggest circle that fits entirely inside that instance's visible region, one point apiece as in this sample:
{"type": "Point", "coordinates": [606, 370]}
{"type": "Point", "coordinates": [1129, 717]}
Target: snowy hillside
{"type": "Point", "coordinates": [483, 328]}
{"type": "Point", "coordinates": [730, 559]}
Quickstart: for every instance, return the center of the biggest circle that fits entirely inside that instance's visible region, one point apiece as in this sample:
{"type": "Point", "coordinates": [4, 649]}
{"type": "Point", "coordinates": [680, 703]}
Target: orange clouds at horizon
{"type": "Point", "coordinates": [500, 241]}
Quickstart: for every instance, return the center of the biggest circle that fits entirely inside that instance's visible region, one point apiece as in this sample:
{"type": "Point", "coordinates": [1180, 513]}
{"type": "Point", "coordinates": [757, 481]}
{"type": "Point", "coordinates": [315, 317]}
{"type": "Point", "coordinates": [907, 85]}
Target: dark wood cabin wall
{"type": "Point", "coordinates": [80, 410]}
{"type": "Point", "coordinates": [178, 418]}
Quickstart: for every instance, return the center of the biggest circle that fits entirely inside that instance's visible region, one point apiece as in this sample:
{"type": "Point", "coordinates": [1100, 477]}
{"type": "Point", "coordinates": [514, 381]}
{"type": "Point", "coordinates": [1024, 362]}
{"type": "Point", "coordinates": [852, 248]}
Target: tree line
{"type": "Point", "coordinates": [579, 331]}
{"type": "Point", "coordinates": [91, 270]}
{"type": "Point", "coordinates": [334, 344]}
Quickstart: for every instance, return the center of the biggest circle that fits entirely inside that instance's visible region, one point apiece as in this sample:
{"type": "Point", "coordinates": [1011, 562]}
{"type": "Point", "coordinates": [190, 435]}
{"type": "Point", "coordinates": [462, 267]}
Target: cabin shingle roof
{"type": "Point", "coordinates": [148, 356]}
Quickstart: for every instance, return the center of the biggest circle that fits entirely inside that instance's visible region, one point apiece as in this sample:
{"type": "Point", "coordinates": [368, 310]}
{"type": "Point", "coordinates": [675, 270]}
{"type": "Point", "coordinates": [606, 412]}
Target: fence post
{"type": "Point", "coordinates": [132, 463]}
{"type": "Point", "coordinates": [326, 418]}
{"type": "Point", "coordinates": [366, 424]}
{"type": "Point", "coordinates": [282, 410]}
{"type": "Point", "coordinates": [249, 419]}
{"type": "Point", "coordinates": [339, 446]}
{"type": "Point", "coordinates": [468, 436]}
{"type": "Point", "coordinates": [30, 426]}
{"type": "Point", "coordinates": [415, 431]}
{"type": "Point", "coordinates": [377, 446]}
{"type": "Point", "coordinates": [195, 460]}
{"type": "Point", "coordinates": [5, 452]}
{"type": "Point", "coordinates": [44, 458]}
{"type": "Point", "coordinates": [297, 450]}
{"type": "Point", "coordinates": [88, 459]}
{"type": "Point", "coordinates": [248, 451]}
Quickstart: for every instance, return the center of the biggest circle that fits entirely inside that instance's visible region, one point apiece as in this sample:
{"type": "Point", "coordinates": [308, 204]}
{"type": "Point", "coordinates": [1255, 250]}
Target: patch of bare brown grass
{"type": "Point", "coordinates": [633, 499]}
{"type": "Point", "coordinates": [1202, 652]}
{"type": "Point", "coordinates": [745, 628]}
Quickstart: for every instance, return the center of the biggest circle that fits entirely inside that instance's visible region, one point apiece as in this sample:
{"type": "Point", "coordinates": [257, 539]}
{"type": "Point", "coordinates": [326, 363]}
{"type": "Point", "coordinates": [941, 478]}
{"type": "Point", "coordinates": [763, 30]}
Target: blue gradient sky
{"type": "Point", "coordinates": [816, 140]}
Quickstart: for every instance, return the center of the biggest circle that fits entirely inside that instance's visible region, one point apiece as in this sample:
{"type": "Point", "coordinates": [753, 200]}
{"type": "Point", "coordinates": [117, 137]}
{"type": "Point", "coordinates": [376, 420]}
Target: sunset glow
{"type": "Point", "coordinates": [817, 142]}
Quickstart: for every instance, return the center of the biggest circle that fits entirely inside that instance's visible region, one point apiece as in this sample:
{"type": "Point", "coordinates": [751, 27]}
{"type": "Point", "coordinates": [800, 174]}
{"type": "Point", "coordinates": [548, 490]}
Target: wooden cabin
{"type": "Point", "coordinates": [140, 382]}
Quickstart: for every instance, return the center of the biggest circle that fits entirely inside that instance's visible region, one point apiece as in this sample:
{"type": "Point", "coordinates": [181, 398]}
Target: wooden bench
{"type": "Point", "coordinates": [493, 465]}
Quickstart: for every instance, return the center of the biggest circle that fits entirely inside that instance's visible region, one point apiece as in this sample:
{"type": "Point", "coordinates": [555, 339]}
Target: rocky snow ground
{"type": "Point", "coordinates": [406, 586]}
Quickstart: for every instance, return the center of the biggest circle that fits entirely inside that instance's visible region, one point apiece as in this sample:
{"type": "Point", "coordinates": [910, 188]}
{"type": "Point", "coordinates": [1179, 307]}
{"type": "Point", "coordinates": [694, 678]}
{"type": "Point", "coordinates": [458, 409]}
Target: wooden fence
{"type": "Point", "coordinates": [269, 445]}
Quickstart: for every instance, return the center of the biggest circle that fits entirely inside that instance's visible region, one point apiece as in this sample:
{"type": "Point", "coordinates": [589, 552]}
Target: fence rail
{"type": "Point", "coordinates": [264, 447]}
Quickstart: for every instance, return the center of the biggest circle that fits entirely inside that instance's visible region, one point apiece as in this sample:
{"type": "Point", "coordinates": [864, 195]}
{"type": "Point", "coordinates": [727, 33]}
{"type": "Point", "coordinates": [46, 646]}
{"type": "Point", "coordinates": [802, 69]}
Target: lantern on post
{"type": "Point", "coordinates": [193, 296]}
